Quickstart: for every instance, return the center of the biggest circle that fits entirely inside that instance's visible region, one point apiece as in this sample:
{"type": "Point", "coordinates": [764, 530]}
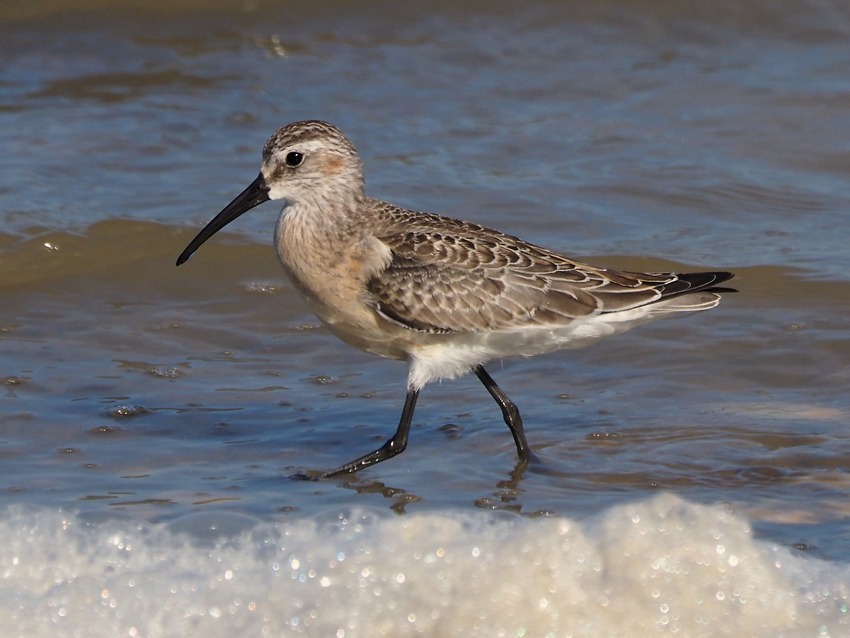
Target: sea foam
{"type": "Point", "coordinates": [660, 566]}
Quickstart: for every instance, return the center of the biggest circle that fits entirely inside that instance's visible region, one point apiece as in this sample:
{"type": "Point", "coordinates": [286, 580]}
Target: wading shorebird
{"type": "Point", "coordinates": [444, 295]}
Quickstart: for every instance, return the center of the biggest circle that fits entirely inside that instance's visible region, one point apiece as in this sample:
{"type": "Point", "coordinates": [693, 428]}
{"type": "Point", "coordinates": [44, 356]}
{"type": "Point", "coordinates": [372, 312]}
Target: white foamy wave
{"type": "Point", "coordinates": [658, 566]}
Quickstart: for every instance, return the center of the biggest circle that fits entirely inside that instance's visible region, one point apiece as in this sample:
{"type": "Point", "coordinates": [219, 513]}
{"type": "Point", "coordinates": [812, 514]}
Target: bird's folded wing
{"type": "Point", "coordinates": [470, 279]}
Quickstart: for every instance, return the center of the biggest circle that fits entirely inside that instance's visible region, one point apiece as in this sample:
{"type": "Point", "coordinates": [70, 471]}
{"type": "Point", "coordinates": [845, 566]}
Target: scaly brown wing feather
{"type": "Point", "coordinates": [446, 275]}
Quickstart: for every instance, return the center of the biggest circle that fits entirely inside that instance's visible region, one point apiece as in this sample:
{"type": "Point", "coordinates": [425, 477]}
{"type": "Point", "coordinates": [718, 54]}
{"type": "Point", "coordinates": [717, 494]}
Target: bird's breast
{"type": "Point", "coordinates": [330, 272]}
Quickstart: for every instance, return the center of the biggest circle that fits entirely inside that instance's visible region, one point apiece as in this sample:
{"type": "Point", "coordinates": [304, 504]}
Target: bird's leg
{"type": "Point", "coordinates": [393, 447]}
{"type": "Point", "coordinates": [509, 411]}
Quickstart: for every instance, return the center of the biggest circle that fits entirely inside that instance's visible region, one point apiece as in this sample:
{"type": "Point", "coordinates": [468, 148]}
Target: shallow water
{"type": "Point", "coordinates": [170, 405]}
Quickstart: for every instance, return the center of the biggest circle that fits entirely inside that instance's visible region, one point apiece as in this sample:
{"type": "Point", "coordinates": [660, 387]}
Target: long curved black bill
{"type": "Point", "coordinates": [254, 195]}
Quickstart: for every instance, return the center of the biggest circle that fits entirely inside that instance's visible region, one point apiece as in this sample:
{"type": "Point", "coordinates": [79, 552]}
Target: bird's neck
{"type": "Point", "coordinates": [314, 239]}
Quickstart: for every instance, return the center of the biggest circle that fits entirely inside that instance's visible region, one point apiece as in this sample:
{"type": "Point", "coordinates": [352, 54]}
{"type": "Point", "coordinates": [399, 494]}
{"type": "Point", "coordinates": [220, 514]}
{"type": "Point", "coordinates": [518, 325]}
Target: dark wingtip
{"type": "Point", "coordinates": [686, 283]}
{"type": "Point", "coordinates": [720, 277]}
{"type": "Point", "coordinates": [723, 276]}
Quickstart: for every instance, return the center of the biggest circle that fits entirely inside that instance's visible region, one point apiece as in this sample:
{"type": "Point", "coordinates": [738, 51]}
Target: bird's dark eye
{"type": "Point", "coordinates": [294, 159]}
